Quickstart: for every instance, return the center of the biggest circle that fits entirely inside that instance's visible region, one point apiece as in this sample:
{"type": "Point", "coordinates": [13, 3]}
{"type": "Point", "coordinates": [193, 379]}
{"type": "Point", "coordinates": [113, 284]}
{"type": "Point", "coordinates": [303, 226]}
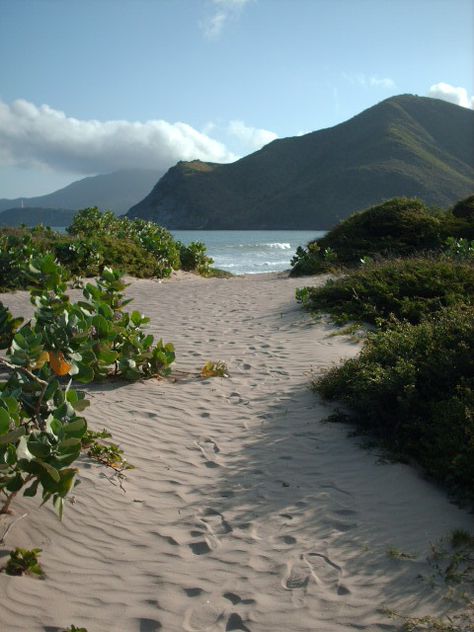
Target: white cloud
{"type": "Point", "coordinates": [446, 92]}
{"type": "Point", "coordinates": [222, 12]}
{"type": "Point", "coordinates": [369, 81]}
{"type": "Point", "coordinates": [41, 137]}
{"type": "Point", "coordinates": [386, 82]}
{"type": "Point", "coordinates": [251, 138]}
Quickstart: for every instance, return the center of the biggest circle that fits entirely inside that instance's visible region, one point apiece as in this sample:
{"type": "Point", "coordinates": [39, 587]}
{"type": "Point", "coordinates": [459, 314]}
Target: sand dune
{"type": "Point", "coordinates": [244, 512]}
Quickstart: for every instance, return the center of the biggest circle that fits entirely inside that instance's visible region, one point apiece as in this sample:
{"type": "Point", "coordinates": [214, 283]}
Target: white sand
{"type": "Point", "coordinates": [244, 512]}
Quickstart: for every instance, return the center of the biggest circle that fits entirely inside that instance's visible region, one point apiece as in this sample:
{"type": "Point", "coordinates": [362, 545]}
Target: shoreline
{"type": "Point", "coordinates": [244, 512]}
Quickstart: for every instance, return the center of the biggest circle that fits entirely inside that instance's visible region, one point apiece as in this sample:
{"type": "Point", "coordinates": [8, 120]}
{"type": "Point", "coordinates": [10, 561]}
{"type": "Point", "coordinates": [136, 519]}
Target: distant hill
{"type": "Point", "coordinates": [115, 191]}
{"type": "Point", "coordinates": [32, 216]}
{"type": "Point", "coordinates": [404, 146]}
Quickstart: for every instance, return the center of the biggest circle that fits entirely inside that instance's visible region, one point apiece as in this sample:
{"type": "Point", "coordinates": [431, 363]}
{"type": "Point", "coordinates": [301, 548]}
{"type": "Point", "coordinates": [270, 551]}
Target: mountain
{"type": "Point", "coordinates": [32, 216]}
{"type": "Point", "coordinates": [404, 146]}
{"type": "Point", "coordinates": [112, 191]}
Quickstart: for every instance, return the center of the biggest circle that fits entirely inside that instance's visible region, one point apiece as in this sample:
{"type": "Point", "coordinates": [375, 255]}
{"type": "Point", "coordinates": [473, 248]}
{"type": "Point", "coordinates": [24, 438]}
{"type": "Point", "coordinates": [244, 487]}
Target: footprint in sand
{"type": "Point", "coordinates": [203, 617]}
{"type": "Point", "coordinates": [234, 598]}
{"type": "Point", "coordinates": [209, 450]}
{"type": "Point", "coordinates": [214, 522]}
{"type": "Point", "coordinates": [323, 569]}
{"type": "Point", "coordinates": [201, 548]}
{"type": "Point", "coordinates": [235, 623]}
{"type": "Point", "coordinates": [298, 574]}
{"type": "Point", "coordinates": [210, 526]}
{"type": "Point", "coordinates": [312, 567]}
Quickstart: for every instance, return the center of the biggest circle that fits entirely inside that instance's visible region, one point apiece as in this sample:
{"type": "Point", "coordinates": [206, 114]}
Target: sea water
{"type": "Point", "coordinates": [250, 251]}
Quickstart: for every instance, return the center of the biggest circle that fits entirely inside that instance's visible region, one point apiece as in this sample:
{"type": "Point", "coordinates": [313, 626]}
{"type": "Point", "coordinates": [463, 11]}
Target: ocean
{"type": "Point", "coordinates": [250, 251]}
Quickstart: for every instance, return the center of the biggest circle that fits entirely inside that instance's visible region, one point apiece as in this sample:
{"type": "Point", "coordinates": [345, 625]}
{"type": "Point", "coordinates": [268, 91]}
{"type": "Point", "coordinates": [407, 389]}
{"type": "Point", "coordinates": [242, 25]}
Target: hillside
{"type": "Point", "coordinates": [404, 146]}
{"type": "Point", "coordinates": [32, 216]}
{"type": "Point", "coordinates": [115, 191]}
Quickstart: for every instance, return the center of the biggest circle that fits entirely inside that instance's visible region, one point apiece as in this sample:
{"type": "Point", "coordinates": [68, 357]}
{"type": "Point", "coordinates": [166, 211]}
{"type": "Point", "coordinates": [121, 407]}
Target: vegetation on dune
{"type": "Point", "coordinates": [413, 387]}
{"type": "Point", "coordinates": [97, 240]}
{"type": "Point", "coordinates": [42, 430]}
{"type": "Point", "coordinates": [397, 228]}
{"type": "Point", "coordinates": [407, 289]}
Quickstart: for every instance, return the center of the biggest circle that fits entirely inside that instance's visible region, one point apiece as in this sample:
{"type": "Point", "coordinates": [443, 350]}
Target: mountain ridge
{"type": "Point", "coordinates": [114, 191]}
{"type": "Point", "coordinates": [403, 146]}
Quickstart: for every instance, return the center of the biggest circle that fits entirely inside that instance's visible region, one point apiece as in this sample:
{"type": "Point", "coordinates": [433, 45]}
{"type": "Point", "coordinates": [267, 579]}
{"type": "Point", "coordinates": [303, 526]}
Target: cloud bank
{"type": "Point", "coordinates": [251, 138]}
{"type": "Point", "coordinates": [223, 12]}
{"type": "Point", "coordinates": [39, 137]}
{"type": "Point", "coordinates": [446, 92]}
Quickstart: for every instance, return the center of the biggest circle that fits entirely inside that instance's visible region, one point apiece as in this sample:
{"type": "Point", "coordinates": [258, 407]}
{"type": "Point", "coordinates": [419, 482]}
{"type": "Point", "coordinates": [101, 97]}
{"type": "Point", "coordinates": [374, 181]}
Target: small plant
{"type": "Point", "coordinates": [453, 558]}
{"type": "Point", "coordinates": [73, 628]}
{"type": "Point", "coordinates": [193, 257]}
{"type": "Point", "coordinates": [109, 454]}
{"type": "Point", "coordinates": [396, 554]}
{"type": "Point", "coordinates": [24, 562]}
{"type": "Point", "coordinates": [214, 369]}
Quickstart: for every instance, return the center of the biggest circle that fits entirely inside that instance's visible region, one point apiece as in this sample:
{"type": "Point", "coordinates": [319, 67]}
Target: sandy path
{"type": "Point", "coordinates": [245, 512]}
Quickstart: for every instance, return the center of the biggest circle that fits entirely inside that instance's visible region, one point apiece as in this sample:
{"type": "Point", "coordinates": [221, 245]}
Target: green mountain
{"type": "Point", "coordinates": [111, 191]}
{"type": "Point", "coordinates": [404, 146]}
{"type": "Point", "coordinates": [32, 216]}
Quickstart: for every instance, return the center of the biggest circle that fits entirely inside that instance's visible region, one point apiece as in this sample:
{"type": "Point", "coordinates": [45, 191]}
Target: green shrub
{"type": "Point", "coordinates": [464, 209]}
{"type": "Point", "coordinates": [17, 248]}
{"type": "Point", "coordinates": [148, 237]}
{"type": "Point", "coordinates": [193, 258]}
{"type": "Point", "coordinates": [397, 228]}
{"type": "Point", "coordinates": [408, 289]}
{"type": "Point", "coordinates": [413, 387]}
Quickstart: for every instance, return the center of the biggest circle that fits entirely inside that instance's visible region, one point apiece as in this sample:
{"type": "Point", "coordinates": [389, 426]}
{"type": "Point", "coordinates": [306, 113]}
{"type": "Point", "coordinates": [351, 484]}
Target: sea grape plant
{"type": "Point", "coordinates": [24, 562]}
{"type": "Point", "coordinates": [41, 425]}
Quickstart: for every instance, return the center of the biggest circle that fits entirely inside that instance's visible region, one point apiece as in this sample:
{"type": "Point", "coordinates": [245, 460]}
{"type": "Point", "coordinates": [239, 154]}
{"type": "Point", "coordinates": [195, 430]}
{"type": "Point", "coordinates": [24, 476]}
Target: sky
{"type": "Point", "coordinates": [92, 86]}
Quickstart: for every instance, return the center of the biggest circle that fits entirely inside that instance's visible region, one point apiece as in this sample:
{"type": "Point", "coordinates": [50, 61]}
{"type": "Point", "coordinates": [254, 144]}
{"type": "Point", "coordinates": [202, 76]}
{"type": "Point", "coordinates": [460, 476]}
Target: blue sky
{"type": "Point", "coordinates": [90, 86]}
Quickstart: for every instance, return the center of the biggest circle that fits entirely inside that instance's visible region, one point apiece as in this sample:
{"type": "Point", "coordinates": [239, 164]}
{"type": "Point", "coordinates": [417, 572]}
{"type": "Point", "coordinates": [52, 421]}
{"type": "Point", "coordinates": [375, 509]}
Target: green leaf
{"type": "Point", "coordinates": [53, 472]}
{"type": "Point", "coordinates": [12, 436]}
{"type": "Point", "coordinates": [76, 428]}
{"type": "Point", "coordinates": [10, 455]}
{"type": "Point", "coordinates": [32, 489]}
{"type": "Point", "coordinates": [38, 449]}
{"type": "Point", "coordinates": [103, 326]}
{"type": "Point", "coordinates": [85, 375]}
{"type": "Point", "coordinates": [58, 503]}
{"type": "Point", "coordinates": [107, 356]}
{"type": "Point", "coordinates": [4, 421]}
{"type": "Point", "coordinates": [67, 444]}
{"type": "Point", "coordinates": [15, 484]}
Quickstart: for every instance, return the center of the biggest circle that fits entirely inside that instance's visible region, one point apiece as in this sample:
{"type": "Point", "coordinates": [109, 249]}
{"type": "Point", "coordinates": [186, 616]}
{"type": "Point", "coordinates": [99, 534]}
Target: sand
{"type": "Point", "coordinates": [245, 511]}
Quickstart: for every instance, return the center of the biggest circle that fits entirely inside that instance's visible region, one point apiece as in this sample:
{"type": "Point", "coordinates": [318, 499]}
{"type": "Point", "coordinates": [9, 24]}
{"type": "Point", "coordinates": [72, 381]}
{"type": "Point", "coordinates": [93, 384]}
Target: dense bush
{"type": "Point", "coordinates": [397, 228]}
{"type": "Point", "coordinates": [413, 387]}
{"type": "Point", "coordinates": [17, 248]}
{"type": "Point", "coordinates": [148, 236]}
{"type": "Point", "coordinates": [464, 208]}
{"type": "Point", "coordinates": [97, 240]}
{"type": "Point", "coordinates": [406, 288]}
